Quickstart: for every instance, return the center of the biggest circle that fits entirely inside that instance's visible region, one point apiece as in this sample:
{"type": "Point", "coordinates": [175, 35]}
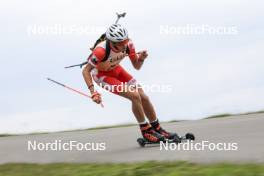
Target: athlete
{"type": "Point", "coordinates": [103, 67]}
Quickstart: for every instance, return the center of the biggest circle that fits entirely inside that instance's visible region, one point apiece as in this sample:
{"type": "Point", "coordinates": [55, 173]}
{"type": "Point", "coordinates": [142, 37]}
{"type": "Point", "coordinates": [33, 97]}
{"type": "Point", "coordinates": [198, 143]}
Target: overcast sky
{"type": "Point", "coordinates": [208, 73]}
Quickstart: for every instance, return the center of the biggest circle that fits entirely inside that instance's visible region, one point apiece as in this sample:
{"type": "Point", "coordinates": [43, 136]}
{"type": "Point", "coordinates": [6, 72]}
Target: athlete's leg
{"type": "Point", "coordinates": [148, 108]}
{"type": "Point", "coordinates": [146, 129]}
{"type": "Point", "coordinates": [130, 93]}
{"type": "Point", "coordinates": [117, 87]}
{"type": "Point", "coordinates": [137, 107]}
{"type": "Point", "coordinates": [111, 82]}
{"type": "Point", "coordinates": [151, 115]}
{"type": "Point", "coordinates": [147, 105]}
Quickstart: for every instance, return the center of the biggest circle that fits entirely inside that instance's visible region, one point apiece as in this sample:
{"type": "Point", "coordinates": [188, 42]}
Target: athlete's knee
{"type": "Point", "coordinates": [135, 96]}
{"type": "Point", "coordinates": [144, 97]}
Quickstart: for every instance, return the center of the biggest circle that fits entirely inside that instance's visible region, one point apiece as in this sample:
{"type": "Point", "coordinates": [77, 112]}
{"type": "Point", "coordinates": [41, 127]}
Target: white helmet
{"type": "Point", "coordinates": [116, 33]}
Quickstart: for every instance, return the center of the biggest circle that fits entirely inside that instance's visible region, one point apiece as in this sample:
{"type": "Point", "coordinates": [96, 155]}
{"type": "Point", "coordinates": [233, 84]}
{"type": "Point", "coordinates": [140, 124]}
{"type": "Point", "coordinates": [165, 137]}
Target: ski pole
{"type": "Point", "coordinates": [74, 90]}
{"type": "Point", "coordinates": [84, 63]}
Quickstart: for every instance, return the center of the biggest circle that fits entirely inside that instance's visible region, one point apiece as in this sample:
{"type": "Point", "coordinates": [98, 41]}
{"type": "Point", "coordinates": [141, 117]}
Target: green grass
{"type": "Point", "coordinates": [111, 126]}
{"type": "Point", "coordinates": [227, 114]}
{"type": "Point", "coordinates": [218, 116]}
{"type": "Point", "coordinates": [136, 169]}
{"type": "Point", "coordinates": [94, 128]}
{"type": "Point", "coordinates": [130, 124]}
{"type": "Point", "coordinates": [5, 135]}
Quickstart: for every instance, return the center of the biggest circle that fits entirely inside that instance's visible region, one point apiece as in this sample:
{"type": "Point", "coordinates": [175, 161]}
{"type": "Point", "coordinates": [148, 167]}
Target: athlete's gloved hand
{"type": "Point", "coordinates": [96, 97]}
{"type": "Point", "coordinates": [142, 55]}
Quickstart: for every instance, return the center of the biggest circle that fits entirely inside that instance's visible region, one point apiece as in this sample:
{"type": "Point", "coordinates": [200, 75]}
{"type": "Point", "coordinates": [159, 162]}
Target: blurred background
{"type": "Point", "coordinates": [209, 54]}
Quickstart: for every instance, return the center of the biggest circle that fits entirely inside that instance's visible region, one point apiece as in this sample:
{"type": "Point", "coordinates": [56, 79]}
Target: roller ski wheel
{"type": "Point", "coordinates": [190, 136]}
{"type": "Point", "coordinates": [176, 139]}
{"type": "Point", "coordinates": [141, 142]}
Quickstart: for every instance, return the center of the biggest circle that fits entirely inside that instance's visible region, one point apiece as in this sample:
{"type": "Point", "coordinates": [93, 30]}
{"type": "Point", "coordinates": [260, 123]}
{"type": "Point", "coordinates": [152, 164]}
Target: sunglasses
{"type": "Point", "coordinates": [121, 43]}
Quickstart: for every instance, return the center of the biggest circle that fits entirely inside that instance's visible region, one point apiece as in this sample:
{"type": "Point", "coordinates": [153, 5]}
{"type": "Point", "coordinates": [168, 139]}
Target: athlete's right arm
{"type": "Point", "coordinates": [93, 60]}
{"type": "Point", "coordinates": [89, 82]}
{"type": "Point", "coordinates": [87, 77]}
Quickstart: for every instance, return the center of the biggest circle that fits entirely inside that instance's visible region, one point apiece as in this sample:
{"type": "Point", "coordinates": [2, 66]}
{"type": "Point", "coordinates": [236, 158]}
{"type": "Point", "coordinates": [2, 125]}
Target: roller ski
{"type": "Point", "coordinates": [176, 139]}
{"type": "Point", "coordinates": [153, 133]}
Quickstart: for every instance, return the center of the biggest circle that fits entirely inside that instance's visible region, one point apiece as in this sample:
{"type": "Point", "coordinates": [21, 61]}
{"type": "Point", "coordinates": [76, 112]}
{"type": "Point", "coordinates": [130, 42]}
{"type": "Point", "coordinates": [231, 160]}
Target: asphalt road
{"type": "Point", "coordinates": [244, 132]}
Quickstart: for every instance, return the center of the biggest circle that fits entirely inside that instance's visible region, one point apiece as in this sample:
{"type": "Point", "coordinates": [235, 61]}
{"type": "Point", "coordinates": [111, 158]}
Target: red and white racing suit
{"type": "Point", "coordinates": [109, 74]}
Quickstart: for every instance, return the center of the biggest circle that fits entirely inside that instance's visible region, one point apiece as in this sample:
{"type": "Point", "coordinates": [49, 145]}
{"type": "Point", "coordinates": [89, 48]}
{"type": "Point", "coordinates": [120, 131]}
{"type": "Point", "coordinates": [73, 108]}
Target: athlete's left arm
{"type": "Point", "coordinates": [137, 59]}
